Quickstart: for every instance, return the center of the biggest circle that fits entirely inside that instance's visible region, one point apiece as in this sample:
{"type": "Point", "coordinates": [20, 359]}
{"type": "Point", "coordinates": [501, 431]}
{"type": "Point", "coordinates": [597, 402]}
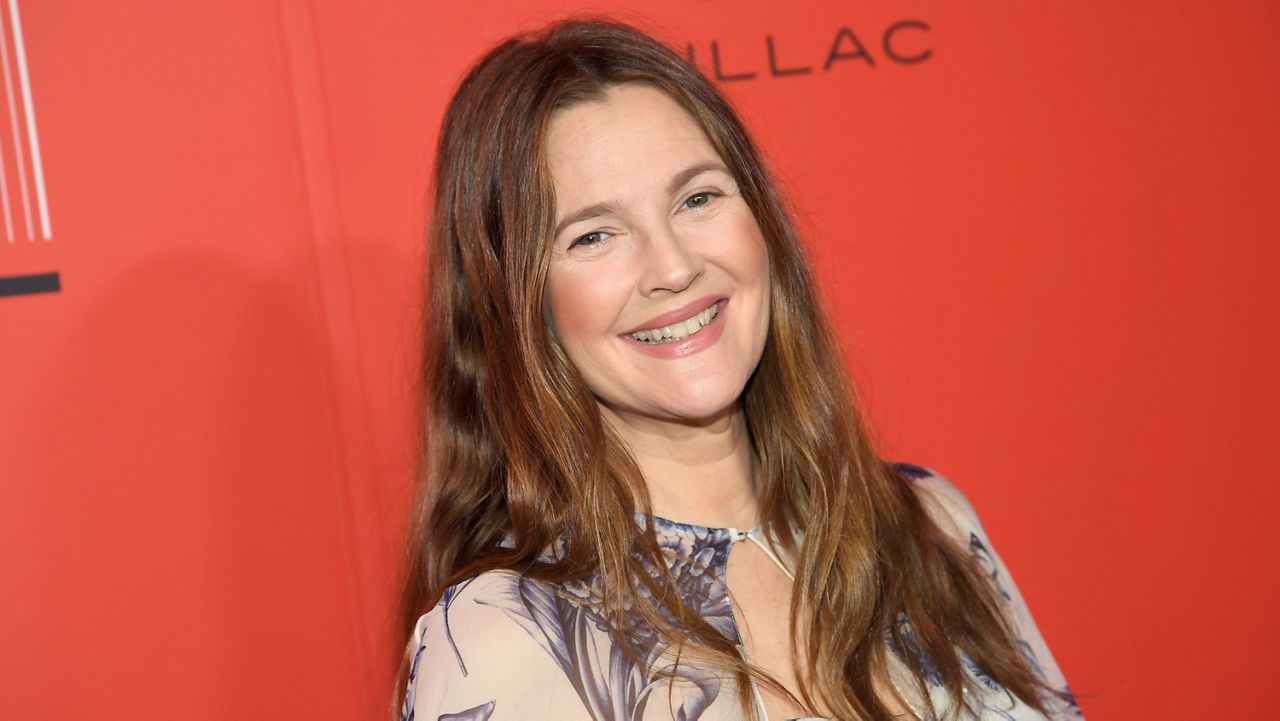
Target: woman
{"type": "Point", "coordinates": [648, 493]}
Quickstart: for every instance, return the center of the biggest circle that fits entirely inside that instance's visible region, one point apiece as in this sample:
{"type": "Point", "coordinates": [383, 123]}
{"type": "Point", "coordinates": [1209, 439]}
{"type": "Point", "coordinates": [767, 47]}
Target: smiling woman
{"type": "Point", "coordinates": [631, 289]}
{"type": "Point", "coordinates": [646, 491]}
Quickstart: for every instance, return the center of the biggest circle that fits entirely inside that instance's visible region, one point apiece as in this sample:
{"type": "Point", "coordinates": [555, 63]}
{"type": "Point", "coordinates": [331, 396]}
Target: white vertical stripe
{"type": "Point", "coordinates": [4, 193]}
{"type": "Point", "coordinates": [4, 175]}
{"type": "Point", "coordinates": [17, 139]}
{"type": "Point", "coordinates": [37, 166]}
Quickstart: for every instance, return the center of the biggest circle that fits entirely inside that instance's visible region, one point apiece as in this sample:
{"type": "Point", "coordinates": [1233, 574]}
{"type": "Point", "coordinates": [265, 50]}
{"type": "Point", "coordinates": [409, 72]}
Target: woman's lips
{"type": "Point", "coordinates": [703, 339]}
{"type": "Point", "coordinates": [684, 312]}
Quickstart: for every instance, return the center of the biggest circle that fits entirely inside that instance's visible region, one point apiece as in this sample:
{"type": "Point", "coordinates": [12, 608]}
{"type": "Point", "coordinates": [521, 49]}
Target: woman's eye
{"type": "Point", "coordinates": [590, 239]}
{"type": "Point", "coordinates": [698, 200]}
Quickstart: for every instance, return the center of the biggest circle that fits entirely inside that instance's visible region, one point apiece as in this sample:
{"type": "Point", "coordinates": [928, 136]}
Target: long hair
{"type": "Point", "coordinates": [514, 442]}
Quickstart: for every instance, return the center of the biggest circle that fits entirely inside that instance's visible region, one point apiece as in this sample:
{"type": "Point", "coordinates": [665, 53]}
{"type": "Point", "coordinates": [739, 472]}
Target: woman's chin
{"type": "Point", "coordinates": [689, 411]}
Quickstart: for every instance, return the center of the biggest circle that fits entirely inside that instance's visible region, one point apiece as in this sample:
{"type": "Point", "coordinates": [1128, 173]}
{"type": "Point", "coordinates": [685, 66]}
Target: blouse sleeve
{"type": "Point", "coordinates": [949, 504]}
{"type": "Point", "coordinates": [470, 661]}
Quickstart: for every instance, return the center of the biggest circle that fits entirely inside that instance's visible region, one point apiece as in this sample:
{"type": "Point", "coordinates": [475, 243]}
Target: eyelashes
{"type": "Point", "coordinates": [693, 203]}
{"type": "Point", "coordinates": [587, 241]}
{"type": "Point", "coordinates": [709, 195]}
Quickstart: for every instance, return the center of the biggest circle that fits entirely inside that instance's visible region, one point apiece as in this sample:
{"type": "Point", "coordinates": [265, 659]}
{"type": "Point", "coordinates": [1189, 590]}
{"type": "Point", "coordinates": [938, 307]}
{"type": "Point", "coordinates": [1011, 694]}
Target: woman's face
{"type": "Point", "coordinates": [658, 285]}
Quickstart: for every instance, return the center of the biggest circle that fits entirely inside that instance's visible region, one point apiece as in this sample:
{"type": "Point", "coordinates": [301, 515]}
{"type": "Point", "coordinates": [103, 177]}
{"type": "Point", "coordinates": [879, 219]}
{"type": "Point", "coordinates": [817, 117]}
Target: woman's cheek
{"type": "Point", "coordinates": [586, 300]}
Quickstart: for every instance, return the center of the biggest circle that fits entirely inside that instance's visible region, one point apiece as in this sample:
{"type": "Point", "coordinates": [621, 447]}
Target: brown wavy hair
{"type": "Point", "coordinates": [514, 442]}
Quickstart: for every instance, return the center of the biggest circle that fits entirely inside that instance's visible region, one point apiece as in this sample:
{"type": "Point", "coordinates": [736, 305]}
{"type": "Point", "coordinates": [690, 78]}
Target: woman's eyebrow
{"type": "Point", "coordinates": [692, 172]}
{"type": "Point", "coordinates": [596, 210]}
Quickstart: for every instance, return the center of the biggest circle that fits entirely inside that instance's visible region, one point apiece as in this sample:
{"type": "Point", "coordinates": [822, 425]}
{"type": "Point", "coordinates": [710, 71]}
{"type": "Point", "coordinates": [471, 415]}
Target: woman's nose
{"type": "Point", "coordinates": [669, 264]}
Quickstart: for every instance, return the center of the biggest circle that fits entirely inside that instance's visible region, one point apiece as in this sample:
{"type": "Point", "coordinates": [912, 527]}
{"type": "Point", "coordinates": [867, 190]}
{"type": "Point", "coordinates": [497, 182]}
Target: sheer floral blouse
{"type": "Point", "coordinates": [501, 647]}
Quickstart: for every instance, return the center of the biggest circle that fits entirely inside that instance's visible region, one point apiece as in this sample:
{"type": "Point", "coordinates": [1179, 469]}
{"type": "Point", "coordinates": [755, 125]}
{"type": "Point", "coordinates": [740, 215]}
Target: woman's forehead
{"type": "Point", "coordinates": [633, 133]}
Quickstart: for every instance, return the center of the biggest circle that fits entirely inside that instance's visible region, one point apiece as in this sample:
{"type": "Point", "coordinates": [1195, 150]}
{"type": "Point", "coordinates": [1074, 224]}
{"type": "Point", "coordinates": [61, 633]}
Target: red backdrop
{"type": "Point", "coordinates": [1049, 244]}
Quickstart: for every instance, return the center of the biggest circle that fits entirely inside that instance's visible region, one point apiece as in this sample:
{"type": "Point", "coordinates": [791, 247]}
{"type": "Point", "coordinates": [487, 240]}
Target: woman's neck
{"type": "Point", "coordinates": [702, 472]}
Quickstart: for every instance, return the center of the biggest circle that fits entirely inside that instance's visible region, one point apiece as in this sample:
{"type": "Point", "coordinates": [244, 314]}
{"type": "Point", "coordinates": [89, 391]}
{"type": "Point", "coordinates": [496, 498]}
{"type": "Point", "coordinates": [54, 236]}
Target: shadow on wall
{"type": "Point", "coordinates": [186, 537]}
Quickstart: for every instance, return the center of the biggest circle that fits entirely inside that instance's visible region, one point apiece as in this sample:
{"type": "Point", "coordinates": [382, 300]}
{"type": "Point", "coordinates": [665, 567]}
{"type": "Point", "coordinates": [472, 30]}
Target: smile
{"type": "Point", "coordinates": [680, 329]}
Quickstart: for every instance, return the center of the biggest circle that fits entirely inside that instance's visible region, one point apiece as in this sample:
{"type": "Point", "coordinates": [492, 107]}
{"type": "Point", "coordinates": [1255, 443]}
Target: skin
{"type": "Point", "coordinates": [658, 250]}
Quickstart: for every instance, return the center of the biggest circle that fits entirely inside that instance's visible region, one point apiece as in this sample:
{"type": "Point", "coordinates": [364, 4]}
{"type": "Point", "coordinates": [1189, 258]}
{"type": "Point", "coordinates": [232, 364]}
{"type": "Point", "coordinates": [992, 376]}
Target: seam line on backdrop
{"type": "Point", "coordinates": [349, 417]}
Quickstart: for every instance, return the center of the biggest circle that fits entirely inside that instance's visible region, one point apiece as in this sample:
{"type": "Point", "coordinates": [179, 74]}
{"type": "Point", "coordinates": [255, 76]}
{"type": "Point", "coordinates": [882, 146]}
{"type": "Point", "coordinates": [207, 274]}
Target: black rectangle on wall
{"type": "Point", "coordinates": [27, 284]}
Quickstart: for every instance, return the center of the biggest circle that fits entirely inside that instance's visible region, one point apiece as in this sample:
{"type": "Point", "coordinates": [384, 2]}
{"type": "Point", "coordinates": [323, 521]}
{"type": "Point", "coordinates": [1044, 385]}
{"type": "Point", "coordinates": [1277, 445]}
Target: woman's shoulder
{"type": "Point", "coordinates": [950, 509]}
{"type": "Point", "coordinates": [481, 651]}
{"type": "Point", "coordinates": [478, 611]}
{"type": "Point", "coordinates": [945, 503]}
{"type": "Point", "coordinates": [948, 506]}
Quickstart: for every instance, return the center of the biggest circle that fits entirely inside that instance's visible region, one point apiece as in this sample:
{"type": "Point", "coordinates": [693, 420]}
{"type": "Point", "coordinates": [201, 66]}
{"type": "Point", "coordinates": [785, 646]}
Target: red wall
{"type": "Point", "coordinates": [1050, 246]}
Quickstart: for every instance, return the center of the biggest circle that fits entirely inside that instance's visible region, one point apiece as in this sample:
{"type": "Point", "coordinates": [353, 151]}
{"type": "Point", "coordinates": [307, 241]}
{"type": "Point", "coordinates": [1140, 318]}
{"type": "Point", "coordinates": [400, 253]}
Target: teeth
{"type": "Point", "coordinates": [680, 329]}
